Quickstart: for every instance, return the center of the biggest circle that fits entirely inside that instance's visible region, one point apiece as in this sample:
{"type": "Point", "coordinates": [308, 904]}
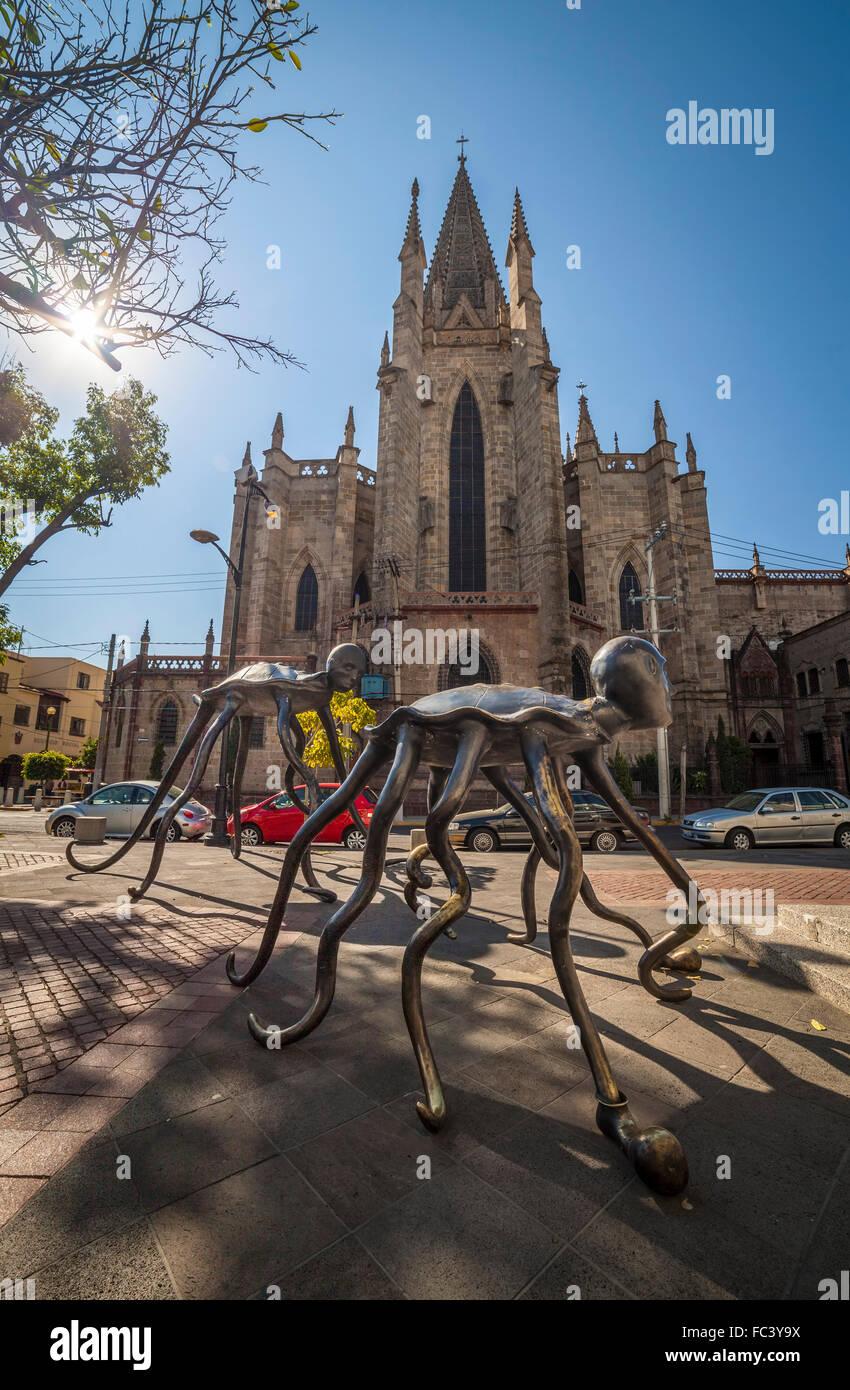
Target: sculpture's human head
{"type": "Point", "coordinates": [629, 673]}
{"type": "Point", "coordinates": [345, 665]}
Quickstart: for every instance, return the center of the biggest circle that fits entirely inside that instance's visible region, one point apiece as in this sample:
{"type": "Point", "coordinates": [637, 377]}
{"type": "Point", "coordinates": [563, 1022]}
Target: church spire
{"type": "Point", "coordinates": [659, 424]}
{"type": "Point", "coordinates": [463, 262]}
{"type": "Point", "coordinates": [519, 228]}
{"type": "Point", "coordinates": [277, 432]}
{"type": "Point", "coordinates": [569, 453]}
{"type": "Point", "coordinates": [691, 455]}
{"type": "Point", "coordinates": [413, 231]}
{"type": "Point", "coordinates": [349, 428]}
{"type": "Point", "coordinates": [385, 351]}
{"type": "Point", "coordinates": [585, 433]}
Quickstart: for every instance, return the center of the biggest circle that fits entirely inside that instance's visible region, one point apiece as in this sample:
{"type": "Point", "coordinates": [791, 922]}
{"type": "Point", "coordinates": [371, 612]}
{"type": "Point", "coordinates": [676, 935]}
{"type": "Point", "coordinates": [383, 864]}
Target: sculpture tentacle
{"type": "Point", "coordinates": [471, 745]}
{"type": "Point", "coordinates": [392, 794]}
{"type": "Point", "coordinates": [291, 737]}
{"type": "Point", "coordinates": [655, 1153]}
{"type": "Point", "coordinates": [244, 725]}
{"type": "Point", "coordinates": [369, 761]}
{"type": "Point", "coordinates": [190, 738]}
{"type": "Point", "coordinates": [198, 769]}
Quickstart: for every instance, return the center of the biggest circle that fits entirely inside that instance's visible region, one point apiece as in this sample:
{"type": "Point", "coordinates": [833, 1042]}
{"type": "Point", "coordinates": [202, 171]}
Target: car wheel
{"type": "Point", "coordinates": [482, 841]}
{"type": "Point", "coordinates": [354, 838]}
{"type": "Point", "coordinates": [64, 828]}
{"type": "Point", "coordinates": [252, 836]}
{"type": "Point", "coordinates": [605, 841]}
{"type": "Point", "coordinates": [842, 837]}
{"type": "Point", "coordinates": [740, 840]}
{"type": "Point", "coordinates": [173, 832]}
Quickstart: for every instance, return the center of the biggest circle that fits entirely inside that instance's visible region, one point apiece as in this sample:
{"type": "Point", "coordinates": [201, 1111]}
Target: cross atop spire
{"type": "Point", "coordinates": [462, 141]}
{"type": "Point", "coordinates": [581, 386]}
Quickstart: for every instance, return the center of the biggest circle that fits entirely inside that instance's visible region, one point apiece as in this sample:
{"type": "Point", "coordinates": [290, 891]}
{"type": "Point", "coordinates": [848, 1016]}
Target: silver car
{"type": "Point", "coordinates": [774, 816]}
{"type": "Point", "coordinates": [123, 804]}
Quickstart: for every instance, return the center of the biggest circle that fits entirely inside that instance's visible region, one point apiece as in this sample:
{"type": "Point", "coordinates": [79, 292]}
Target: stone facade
{"type": "Point", "coordinates": [476, 518]}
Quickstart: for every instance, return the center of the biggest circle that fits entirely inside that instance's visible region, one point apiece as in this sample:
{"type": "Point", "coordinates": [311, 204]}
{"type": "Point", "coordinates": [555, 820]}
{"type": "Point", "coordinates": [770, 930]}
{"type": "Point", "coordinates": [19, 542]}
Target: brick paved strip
{"type": "Point", "coordinates": [72, 977]}
{"type": "Point", "coordinates": [16, 861]}
{"type": "Point", "coordinates": [789, 885]}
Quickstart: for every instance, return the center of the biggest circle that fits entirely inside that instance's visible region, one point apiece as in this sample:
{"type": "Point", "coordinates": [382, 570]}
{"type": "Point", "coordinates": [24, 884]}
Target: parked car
{"type": "Point", "coordinates": [596, 825]}
{"type": "Point", "coordinates": [774, 816]}
{"type": "Point", "coordinates": [123, 804]}
{"type": "Point", "coordinates": [276, 820]}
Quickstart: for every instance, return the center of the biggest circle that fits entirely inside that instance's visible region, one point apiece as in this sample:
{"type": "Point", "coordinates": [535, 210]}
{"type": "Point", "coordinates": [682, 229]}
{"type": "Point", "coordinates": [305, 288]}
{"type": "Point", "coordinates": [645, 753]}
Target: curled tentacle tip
{"type": "Point", "coordinates": [258, 1031]}
{"type": "Point", "coordinates": [659, 1160]}
{"type": "Point", "coordinates": [431, 1119]}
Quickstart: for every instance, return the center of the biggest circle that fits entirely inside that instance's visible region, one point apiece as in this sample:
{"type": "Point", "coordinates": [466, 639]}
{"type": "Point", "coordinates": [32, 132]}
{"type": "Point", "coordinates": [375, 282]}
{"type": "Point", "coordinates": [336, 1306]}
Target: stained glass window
{"type": "Point", "coordinates": [467, 529]}
{"type": "Point", "coordinates": [166, 727]}
{"type": "Point", "coordinates": [307, 601]}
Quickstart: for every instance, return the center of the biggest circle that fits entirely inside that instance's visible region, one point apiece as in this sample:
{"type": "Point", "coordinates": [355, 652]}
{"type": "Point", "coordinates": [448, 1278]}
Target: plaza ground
{"type": "Point", "coordinates": [304, 1168]}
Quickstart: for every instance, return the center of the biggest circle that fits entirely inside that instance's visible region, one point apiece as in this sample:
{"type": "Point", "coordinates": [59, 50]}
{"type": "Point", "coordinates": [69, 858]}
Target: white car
{"type": "Point", "coordinates": [774, 816]}
{"type": "Point", "coordinates": [123, 804]}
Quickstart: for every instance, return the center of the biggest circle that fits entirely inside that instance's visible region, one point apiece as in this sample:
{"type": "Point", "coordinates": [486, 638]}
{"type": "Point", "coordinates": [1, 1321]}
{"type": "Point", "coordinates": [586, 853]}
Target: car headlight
{"type": "Point", "coordinates": [455, 825]}
{"type": "Point", "coordinates": [706, 825]}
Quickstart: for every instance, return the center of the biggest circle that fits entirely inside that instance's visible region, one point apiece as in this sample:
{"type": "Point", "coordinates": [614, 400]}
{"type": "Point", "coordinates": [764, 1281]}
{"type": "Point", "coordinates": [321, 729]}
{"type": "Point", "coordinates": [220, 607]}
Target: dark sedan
{"type": "Point", "coordinates": [596, 825]}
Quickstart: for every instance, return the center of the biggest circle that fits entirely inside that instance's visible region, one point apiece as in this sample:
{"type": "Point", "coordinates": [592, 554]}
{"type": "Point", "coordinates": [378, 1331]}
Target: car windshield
{"type": "Point", "coordinates": [747, 801]}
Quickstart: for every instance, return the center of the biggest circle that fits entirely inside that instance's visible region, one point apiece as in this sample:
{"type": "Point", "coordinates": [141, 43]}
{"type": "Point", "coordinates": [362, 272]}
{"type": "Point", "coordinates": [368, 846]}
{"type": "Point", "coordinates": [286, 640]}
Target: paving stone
{"type": "Point", "coordinates": [363, 1166]}
{"type": "Point", "coordinates": [569, 1278]}
{"type": "Point", "coordinates": [43, 1154]}
{"type": "Point", "coordinates": [345, 1272]}
{"type": "Point", "coordinates": [557, 1165]}
{"type": "Point", "coordinates": [176, 1157]}
{"type": "Point", "coordinates": [660, 1248]}
{"type": "Point", "coordinates": [14, 1193]}
{"type": "Point", "coordinates": [80, 1204]}
{"type": "Point", "coordinates": [528, 1075]}
{"type": "Point", "coordinates": [244, 1232]}
{"type": "Point", "coordinates": [455, 1238]}
{"type": "Point", "coordinates": [179, 1088]}
{"type": "Point", "coordinates": [125, 1265]}
{"type": "Point", "coordinates": [298, 1107]}
{"type": "Point", "coordinates": [476, 1114]}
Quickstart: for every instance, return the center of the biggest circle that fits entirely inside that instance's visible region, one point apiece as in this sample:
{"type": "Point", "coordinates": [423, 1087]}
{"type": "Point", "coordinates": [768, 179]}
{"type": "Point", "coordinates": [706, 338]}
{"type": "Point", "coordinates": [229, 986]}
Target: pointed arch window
{"type": "Point", "coordinates": [166, 724]}
{"type": "Point", "coordinates": [630, 613]}
{"type": "Point", "coordinates": [361, 589]}
{"type": "Point", "coordinates": [307, 601]}
{"type": "Point", "coordinates": [580, 668]}
{"type": "Point", "coordinates": [576, 591]}
{"type": "Point", "coordinates": [467, 528]}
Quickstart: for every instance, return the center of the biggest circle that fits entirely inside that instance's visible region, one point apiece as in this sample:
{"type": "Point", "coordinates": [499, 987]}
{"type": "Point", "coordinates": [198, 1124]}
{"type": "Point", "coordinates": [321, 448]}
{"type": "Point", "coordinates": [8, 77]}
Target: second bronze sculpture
{"type": "Point", "coordinates": [456, 734]}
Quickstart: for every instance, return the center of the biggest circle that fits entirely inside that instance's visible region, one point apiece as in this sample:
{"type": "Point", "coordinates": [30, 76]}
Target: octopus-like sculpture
{"type": "Point", "coordinates": [456, 734]}
{"type": "Point", "coordinates": [262, 688]}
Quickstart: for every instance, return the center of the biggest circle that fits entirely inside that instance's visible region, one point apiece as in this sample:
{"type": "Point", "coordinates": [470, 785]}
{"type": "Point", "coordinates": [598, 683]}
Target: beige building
{"type": "Point", "coordinates": [49, 702]}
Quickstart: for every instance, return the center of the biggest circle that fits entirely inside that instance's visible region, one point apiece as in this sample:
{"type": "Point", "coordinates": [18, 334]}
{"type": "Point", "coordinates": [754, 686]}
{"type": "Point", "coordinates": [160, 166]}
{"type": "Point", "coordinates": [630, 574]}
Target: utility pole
{"type": "Point", "coordinates": [102, 732]}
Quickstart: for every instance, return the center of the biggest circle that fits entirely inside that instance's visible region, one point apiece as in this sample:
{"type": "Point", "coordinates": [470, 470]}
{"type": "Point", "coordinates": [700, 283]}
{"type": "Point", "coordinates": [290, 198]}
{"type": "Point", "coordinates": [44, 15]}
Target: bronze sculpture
{"type": "Point", "coordinates": [259, 689]}
{"type": "Point", "coordinates": [456, 733]}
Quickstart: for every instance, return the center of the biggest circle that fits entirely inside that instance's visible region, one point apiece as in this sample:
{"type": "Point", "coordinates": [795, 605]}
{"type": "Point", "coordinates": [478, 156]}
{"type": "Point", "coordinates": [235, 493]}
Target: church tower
{"type": "Point", "coordinates": [469, 511]}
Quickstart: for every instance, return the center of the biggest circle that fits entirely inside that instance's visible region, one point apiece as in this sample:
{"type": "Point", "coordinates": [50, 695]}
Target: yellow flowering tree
{"type": "Point", "coordinates": [347, 709]}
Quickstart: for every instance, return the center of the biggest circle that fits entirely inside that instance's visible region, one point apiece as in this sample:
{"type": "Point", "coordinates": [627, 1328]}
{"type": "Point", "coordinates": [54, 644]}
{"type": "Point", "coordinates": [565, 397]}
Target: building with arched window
{"type": "Point", "coordinates": [479, 514]}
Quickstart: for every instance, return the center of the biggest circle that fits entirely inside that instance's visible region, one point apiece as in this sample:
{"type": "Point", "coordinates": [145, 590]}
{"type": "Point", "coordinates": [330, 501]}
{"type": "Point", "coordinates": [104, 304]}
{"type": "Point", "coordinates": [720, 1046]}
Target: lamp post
{"type": "Point", "coordinates": [247, 477]}
{"type": "Point", "coordinates": [49, 713]}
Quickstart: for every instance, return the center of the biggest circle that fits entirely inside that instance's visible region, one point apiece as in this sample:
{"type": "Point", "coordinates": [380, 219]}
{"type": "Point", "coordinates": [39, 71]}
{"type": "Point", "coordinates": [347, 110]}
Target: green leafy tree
{"type": "Point", "coordinates": [87, 754]}
{"type": "Point", "coordinates": [157, 760]}
{"type": "Point", "coordinates": [124, 129]}
{"type": "Point", "coordinates": [115, 451]}
{"type": "Point", "coordinates": [645, 771]}
{"type": "Point", "coordinates": [45, 767]}
{"type": "Point", "coordinates": [622, 776]}
{"type": "Point", "coordinates": [734, 760]}
{"type": "Point", "coordinates": [346, 708]}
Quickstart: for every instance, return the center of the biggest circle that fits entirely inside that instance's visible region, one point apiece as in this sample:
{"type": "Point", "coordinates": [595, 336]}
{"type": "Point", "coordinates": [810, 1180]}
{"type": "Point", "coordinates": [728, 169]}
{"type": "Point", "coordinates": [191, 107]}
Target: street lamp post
{"type": "Point", "coordinates": [49, 713]}
{"type": "Point", "coordinates": [218, 837]}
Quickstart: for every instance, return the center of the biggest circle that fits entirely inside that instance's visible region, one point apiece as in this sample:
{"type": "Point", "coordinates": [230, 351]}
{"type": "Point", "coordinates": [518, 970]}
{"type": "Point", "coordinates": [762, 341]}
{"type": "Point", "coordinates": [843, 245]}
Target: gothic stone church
{"type": "Point", "coordinates": [478, 515]}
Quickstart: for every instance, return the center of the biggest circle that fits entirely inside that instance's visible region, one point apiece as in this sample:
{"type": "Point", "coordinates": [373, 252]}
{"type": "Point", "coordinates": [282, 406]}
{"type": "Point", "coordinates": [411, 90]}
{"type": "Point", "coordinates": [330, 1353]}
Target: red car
{"type": "Point", "coordinates": [276, 819]}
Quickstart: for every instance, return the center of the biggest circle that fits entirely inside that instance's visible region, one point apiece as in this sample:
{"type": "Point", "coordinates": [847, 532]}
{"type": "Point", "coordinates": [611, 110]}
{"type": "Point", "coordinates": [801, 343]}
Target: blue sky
{"type": "Point", "coordinates": [696, 262]}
